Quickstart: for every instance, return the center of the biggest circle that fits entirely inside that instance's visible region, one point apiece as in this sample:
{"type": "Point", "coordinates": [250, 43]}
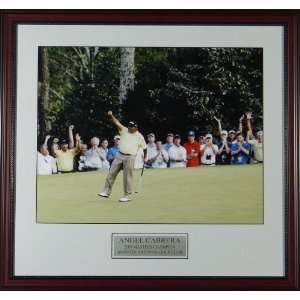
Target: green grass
{"type": "Point", "coordinates": [222, 194]}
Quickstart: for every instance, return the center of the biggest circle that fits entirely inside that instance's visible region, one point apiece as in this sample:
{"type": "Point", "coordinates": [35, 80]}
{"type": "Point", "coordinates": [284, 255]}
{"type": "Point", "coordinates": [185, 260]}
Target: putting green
{"type": "Point", "coordinates": [221, 194]}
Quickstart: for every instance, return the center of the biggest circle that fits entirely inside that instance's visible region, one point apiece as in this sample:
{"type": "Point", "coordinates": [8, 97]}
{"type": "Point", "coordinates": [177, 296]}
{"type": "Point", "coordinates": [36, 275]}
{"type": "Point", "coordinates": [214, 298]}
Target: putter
{"type": "Point", "coordinates": [140, 180]}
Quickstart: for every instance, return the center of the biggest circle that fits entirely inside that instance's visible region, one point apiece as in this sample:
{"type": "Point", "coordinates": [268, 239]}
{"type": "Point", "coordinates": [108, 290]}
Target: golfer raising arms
{"type": "Point", "coordinates": [130, 141]}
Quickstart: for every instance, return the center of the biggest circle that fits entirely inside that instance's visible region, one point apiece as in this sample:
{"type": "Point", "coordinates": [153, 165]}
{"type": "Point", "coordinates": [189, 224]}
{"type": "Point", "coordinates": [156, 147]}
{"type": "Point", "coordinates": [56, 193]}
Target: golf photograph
{"type": "Point", "coordinates": [150, 135]}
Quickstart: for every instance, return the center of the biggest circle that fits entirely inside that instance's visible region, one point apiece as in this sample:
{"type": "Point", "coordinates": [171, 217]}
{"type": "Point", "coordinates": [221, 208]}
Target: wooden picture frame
{"type": "Point", "coordinates": [10, 19]}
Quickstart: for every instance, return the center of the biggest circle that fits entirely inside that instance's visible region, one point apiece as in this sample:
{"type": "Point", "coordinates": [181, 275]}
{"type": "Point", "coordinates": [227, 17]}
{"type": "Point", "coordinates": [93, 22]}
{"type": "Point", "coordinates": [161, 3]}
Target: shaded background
{"type": "Point", "coordinates": [163, 89]}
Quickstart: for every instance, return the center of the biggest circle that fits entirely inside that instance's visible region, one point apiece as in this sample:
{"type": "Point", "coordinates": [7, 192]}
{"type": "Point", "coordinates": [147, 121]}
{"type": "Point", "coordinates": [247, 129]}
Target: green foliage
{"type": "Point", "coordinates": [188, 86]}
{"type": "Point", "coordinates": [176, 89]}
{"type": "Point", "coordinates": [84, 84]}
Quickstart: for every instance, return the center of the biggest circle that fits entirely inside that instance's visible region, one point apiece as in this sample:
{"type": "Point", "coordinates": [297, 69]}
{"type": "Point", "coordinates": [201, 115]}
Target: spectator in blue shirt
{"type": "Point", "coordinates": [169, 142]}
{"type": "Point", "coordinates": [240, 151]}
{"type": "Point", "coordinates": [114, 150]}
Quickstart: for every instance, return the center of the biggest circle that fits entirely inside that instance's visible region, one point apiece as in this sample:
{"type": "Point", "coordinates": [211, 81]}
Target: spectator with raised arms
{"type": "Point", "coordinates": [256, 143]}
{"type": "Point", "coordinates": [46, 164]}
{"type": "Point", "coordinates": [224, 153]}
{"type": "Point", "coordinates": [67, 152]}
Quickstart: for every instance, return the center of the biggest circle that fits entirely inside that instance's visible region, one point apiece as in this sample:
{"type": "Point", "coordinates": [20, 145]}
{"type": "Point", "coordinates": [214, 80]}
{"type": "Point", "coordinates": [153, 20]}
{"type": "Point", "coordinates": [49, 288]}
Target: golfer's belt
{"type": "Point", "coordinates": [125, 154]}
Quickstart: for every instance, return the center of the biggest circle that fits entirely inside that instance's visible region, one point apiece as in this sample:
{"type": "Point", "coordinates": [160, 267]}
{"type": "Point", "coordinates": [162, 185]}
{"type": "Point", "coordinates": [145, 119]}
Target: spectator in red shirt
{"type": "Point", "coordinates": [193, 150]}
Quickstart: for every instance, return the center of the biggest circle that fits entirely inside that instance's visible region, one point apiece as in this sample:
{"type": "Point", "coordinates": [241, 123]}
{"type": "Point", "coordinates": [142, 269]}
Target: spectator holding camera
{"type": "Point", "coordinates": [46, 164]}
{"type": "Point", "coordinates": [240, 151]}
{"type": "Point", "coordinates": [193, 150]}
{"type": "Point", "coordinates": [256, 143]}
{"type": "Point", "coordinates": [177, 154]}
{"type": "Point", "coordinates": [208, 151]}
{"type": "Point", "coordinates": [80, 158]}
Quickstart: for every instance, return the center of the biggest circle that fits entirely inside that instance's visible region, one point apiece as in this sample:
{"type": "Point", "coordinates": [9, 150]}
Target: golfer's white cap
{"type": "Point", "coordinates": [117, 137]}
{"type": "Point", "coordinates": [208, 136]}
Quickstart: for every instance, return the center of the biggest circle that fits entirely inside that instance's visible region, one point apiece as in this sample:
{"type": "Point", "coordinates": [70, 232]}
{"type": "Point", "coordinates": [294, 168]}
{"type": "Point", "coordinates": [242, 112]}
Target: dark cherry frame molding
{"type": "Point", "coordinates": [9, 21]}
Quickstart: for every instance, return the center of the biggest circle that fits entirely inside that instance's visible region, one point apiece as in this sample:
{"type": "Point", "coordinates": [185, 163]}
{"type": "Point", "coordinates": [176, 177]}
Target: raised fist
{"type": "Point", "coordinates": [109, 113]}
{"type": "Point", "coordinates": [77, 137]}
{"type": "Point", "coordinates": [71, 127]}
{"type": "Point", "coordinates": [249, 115]}
{"type": "Point", "coordinates": [48, 136]}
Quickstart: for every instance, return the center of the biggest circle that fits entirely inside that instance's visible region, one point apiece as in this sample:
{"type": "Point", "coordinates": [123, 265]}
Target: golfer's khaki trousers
{"type": "Point", "coordinates": [125, 162]}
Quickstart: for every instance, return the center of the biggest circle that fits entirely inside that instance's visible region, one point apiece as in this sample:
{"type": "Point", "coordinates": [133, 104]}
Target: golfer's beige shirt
{"type": "Point", "coordinates": [131, 142]}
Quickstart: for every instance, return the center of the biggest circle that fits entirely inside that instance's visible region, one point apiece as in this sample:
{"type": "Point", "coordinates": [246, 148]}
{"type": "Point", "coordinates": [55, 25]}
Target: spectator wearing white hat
{"type": "Point", "coordinates": [224, 152]}
{"type": "Point", "coordinates": [114, 150]}
{"type": "Point", "coordinates": [232, 136]}
{"type": "Point", "coordinates": [177, 154]}
{"type": "Point", "coordinates": [208, 151]}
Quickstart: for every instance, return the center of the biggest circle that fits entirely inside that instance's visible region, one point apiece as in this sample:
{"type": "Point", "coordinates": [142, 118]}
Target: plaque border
{"type": "Point", "coordinates": [151, 233]}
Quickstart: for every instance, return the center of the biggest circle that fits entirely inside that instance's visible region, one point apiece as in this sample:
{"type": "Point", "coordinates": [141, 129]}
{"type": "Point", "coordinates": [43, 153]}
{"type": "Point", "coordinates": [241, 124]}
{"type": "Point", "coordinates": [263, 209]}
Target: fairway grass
{"type": "Point", "coordinates": [211, 195]}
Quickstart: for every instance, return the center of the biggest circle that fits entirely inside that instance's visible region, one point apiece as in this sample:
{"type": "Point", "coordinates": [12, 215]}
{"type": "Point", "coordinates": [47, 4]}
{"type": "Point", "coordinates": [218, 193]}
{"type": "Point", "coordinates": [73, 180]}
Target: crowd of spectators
{"type": "Point", "coordinates": [229, 147]}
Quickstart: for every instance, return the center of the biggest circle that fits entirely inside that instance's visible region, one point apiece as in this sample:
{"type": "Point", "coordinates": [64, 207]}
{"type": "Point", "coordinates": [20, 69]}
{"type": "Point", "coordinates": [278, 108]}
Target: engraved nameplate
{"type": "Point", "coordinates": [149, 245]}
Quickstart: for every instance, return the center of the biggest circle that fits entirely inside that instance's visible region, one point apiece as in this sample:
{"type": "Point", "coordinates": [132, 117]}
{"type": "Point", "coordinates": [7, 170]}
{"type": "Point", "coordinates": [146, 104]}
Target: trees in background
{"type": "Point", "coordinates": [164, 89]}
{"type": "Point", "coordinates": [44, 121]}
{"type": "Point", "coordinates": [126, 73]}
{"type": "Point", "coordinates": [184, 88]}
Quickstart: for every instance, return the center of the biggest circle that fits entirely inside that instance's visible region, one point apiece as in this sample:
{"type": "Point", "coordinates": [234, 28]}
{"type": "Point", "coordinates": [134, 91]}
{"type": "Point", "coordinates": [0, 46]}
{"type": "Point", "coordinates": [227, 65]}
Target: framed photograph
{"type": "Point", "coordinates": [149, 150]}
